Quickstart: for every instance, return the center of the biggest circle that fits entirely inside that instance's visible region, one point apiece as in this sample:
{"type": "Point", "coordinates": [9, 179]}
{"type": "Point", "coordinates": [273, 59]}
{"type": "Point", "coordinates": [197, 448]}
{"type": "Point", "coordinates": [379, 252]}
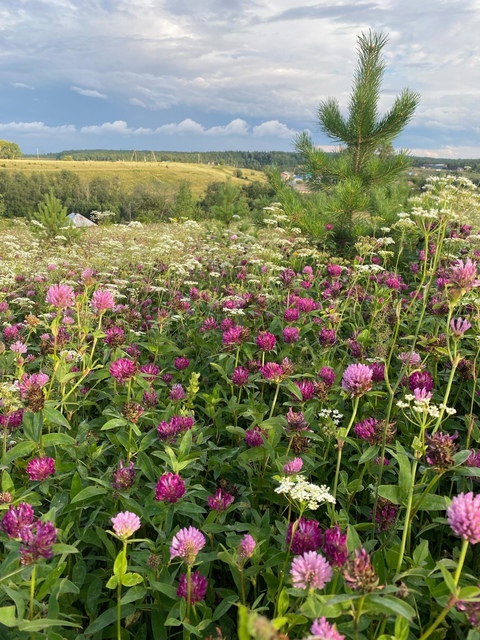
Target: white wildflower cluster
{"type": "Point", "coordinates": [299, 490]}
{"type": "Point", "coordinates": [233, 312]}
{"type": "Point", "coordinates": [333, 414]}
{"type": "Point", "coordinates": [422, 405]}
{"type": "Point", "coordinates": [98, 216]}
{"type": "Point", "coordinates": [369, 268]}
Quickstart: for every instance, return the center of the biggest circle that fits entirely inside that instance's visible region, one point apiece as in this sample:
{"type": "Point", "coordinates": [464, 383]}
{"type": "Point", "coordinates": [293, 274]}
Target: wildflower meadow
{"type": "Point", "coordinates": [237, 432]}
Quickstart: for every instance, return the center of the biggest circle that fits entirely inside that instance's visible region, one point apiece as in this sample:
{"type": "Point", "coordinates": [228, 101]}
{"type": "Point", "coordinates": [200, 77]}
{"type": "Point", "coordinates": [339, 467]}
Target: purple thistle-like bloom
{"type": "Point", "coordinates": [234, 335]}
{"type": "Point", "coordinates": [357, 380]}
{"type": "Point", "coordinates": [60, 296]}
{"type": "Point", "coordinates": [125, 524]}
{"type": "Point", "coordinates": [170, 488]}
{"type": "Point", "coordinates": [254, 437]}
{"type": "Point", "coordinates": [150, 372]}
{"type": "Point", "coordinates": [266, 341]}
{"type": "Point", "coordinates": [321, 629]}
{"type": "Point", "coordinates": [272, 371]}
{"type": "Point", "coordinates": [102, 300]}
{"type": "Point", "coordinates": [327, 337]}
{"type": "Point", "coordinates": [246, 547]}
{"type": "Point", "coordinates": [198, 587]}
{"type": "Point", "coordinates": [291, 335]}
{"type": "Point", "coordinates": [40, 468]}
{"type": "Point", "coordinates": [240, 376]}
{"type": "Point", "coordinates": [386, 514]}
{"type": "Point", "coordinates": [440, 449]}
{"type": "Point", "coordinates": [17, 519]}
{"type": "Point", "coordinates": [359, 574]}
{"type": "Point", "coordinates": [293, 466]}
{"type": "Point", "coordinates": [115, 336]}
{"type": "Point", "coordinates": [124, 477]}
{"type": "Point", "coordinates": [306, 537]}
{"type": "Point", "coordinates": [334, 546]}
{"type": "Point", "coordinates": [463, 516]}
{"type": "Point", "coordinates": [37, 542]}
{"type": "Point", "coordinates": [420, 380]}
{"type": "Point", "coordinates": [150, 398]}
{"type": "Point", "coordinates": [220, 501]}
{"type": "Point", "coordinates": [177, 393]}
{"type": "Point", "coordinates": [378, 371]}
{"type": "Point", "coordinates": [123, 370]}
{"type": "Point", "coordinates": [327, 374]}
{"type": "Point", "coordinates": [310, 571]}
{"type": "Point", "coordinates": [12, 420]}
{"type": "Point", "coordinates": [296, 421]}
{"type": "Point", "coordinates": [307, 389]}
{"type": "Point", "coordinates": [168, 430]}
{"type": "Point", "coordinates": [366, 429]}
{"type": "Point", "coordinates": [459, 326]}
{"type": "Point", "coordinates": [181, 363]}
{"type": "Point", "coordinates": [291, 315]}
{"type": "Point", "coordinates": [187, 544]}
{"type": "Point", "coordinates": [411, 360]}
{"type": "Point", "coordinates": [32, 382]}
{"type": "Point", "coordinates": [464, 275]}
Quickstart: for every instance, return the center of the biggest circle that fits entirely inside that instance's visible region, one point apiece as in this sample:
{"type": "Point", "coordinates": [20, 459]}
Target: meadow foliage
{"type": "Point", "coordinates": [232, 433]}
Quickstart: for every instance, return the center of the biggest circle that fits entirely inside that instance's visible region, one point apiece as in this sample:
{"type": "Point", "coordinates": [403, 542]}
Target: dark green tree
{"type": "Point", "coordinates": [366, 159]}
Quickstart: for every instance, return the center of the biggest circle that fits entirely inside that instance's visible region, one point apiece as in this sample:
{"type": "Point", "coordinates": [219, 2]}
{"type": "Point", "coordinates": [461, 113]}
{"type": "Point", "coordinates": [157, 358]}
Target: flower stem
{"type": "Point", "coordinates": [406, 523]}
{"type": "Point", "coordinates": [340, 446]}
{"type": "Point", "coordinates": [461, 560]}
{"type": "Point", "coordinates": [32, 590]}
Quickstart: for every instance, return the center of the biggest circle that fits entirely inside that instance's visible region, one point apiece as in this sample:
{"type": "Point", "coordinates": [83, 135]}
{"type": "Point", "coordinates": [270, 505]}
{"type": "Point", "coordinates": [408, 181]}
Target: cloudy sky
{"type": "Point", "coordinates": [200, 75]}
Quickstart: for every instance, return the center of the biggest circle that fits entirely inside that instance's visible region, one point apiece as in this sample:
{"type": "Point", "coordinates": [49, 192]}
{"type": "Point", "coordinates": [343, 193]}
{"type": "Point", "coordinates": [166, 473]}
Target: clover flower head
{"type": "Point", "coordinates": [125, 524]}
{"type": "Point", "coordinates": [187, 544]}
{"type": "Point", "coordinates": [310, 571]}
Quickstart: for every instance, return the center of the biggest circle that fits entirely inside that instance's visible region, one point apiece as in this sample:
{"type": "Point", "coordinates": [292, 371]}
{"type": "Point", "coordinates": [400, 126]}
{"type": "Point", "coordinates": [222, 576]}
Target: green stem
{"type": "Point", "coordinates": [438, 621]}
{"type": "Point", "coordinates": [340, 446]}
{"type": "Point", "coordinates": [406, 523]}
{"type": "Point", "coordinates": [461, 560]}
{"type": "Point", "coordinates": [274, 399]}
{"type": "Point", "coordinates": [32, 590]}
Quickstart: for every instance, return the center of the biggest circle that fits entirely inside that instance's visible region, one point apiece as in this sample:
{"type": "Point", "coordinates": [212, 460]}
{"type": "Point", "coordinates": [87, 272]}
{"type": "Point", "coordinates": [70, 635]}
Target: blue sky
{"type": "Point", "coordinates": [198, 75]}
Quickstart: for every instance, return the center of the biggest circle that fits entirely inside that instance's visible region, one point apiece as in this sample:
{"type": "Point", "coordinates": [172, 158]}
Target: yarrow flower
{"type": "Point", "coordinates": [123, 370]}
{"type": "Point", "coordinates": [170, 488]}
{"type": "Point", "coordinates": [310, 571]}
{"type": "Point", "coordinates": [125, 524]}
{"type": "Point", "coordinates": [187, 544]}
{"type": "Point", "coordinates": [60, 296]}
{"type": "Point", "coordinates": [39, 469]}
{"type": "Point", "coordinates": [299, 490]}
{"type": "Point", "coordinates": [220, 501]}
{"type": "Point", "coordinates": [198, 587]}
{"type": "Point", "coordinates": [357, 380]}
{"type": "Point", "coordinates": [463, 516]}
{"type": "Point", "coordinates": [321, 629]}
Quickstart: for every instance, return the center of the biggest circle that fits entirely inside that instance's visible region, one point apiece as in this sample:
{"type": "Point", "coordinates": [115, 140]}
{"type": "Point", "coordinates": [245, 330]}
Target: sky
{"type": "Point", "coordinates": [215, 75]}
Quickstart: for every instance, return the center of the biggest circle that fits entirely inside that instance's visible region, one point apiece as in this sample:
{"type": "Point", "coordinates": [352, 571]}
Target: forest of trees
{"type": "Point", "coordinates": [22, 193]}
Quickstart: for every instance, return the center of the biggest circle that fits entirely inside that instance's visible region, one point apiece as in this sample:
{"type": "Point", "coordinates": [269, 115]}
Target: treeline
{"type": "Point", "coordinates": [21, 194]}
{"type": "Point", "coordinates": [284, 160]}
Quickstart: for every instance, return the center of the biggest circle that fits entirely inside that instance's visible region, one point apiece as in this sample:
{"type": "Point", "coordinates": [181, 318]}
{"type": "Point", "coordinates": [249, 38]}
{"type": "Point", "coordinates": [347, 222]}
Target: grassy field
{"type": "Point", "coordinates": [133, 173]}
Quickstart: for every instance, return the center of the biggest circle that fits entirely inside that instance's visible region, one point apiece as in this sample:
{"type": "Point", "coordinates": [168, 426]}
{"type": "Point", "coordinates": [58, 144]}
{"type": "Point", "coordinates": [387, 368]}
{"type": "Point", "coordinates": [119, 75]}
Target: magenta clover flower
{"type": "Point", "coordinates": [246, 547]}
{"type": "Point", "coordinates": [17, 519]}
{"type": "Point", "coordinates": [187, 544]}
{"type": "Point", "coordinates": [310, 571]}
{"type": "Point", "coordinates": [124, 477]}
{"type": "Point", "coordinates": [170, 488]}
{"type": "Point", "coordinates": [123, 370]}
{"type": "Point", "coordinates": [60, 296]}
{"type": "Point", "coordinates": [102, 300]}
{"type": "Point", "coordinates": [463, 516]}
{"type": "Point", "coordinates": [37, 542]}
{"type": "Point", "coordinates": [198, 587]}
{"type": "Point", "coordinates": [307, 536]}
{"type": "Point", "coordinates": [321, 629]}
{"type": "Point", "coordinates": [357, 380]}
{"type": "Point", "coordinates": [293, 466]}
{"type": "Point", "coordinates": [125, 524]}
{"type": "Point", "coordinates": [40, 468]}
{"type": "Point", "coordinates": [220, 501]}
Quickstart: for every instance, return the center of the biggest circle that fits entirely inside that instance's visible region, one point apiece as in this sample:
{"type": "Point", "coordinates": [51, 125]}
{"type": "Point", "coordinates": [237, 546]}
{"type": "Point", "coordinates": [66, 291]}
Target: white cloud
{"type": "Point", "coordinates": [89, 93]}
{"type": "Point", "coordinates": [22, 85]}
{"type": "Point", "coordinates": [273, 128]}
{"type": "Point", "coordinates": [119, 126]}
{"type": "Point", "coordinates": [35, 128]}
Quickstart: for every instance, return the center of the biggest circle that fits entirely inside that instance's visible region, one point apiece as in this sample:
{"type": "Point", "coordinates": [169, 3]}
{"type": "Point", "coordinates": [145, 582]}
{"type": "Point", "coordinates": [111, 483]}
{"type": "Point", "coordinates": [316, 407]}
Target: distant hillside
{"type": "Point", "coordinates": [239, 159]}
